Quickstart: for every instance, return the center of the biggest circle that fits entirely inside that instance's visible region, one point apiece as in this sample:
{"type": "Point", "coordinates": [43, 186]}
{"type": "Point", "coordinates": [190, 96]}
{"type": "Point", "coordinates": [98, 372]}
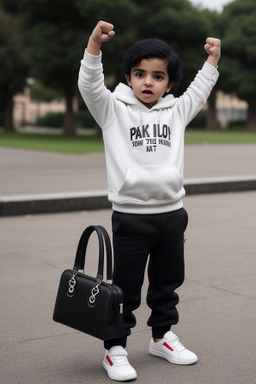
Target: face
{"type": "Point", "coordinates": [149, 80]}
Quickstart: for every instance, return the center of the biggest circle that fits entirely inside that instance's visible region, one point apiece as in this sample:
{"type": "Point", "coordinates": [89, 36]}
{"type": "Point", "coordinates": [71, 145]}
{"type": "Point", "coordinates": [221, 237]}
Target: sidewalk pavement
{"type": "Point", "coordinates": [40, 182]}
{"type": "Point", "coordinates": [217, 301]}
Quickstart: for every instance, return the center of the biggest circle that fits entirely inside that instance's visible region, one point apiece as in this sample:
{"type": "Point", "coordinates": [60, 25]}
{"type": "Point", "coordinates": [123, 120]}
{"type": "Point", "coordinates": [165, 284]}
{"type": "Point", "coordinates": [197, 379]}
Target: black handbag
{"type": "Point", "coordinates": [89, 304]}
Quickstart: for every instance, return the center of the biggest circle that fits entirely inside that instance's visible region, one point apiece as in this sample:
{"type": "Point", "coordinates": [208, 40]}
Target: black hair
{"type": "Point", "coordinates": [149, 49]}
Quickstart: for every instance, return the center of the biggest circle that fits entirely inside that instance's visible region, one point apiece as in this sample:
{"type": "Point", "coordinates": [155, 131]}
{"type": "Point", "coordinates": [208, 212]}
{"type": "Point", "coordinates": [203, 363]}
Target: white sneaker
{"type": "Point", "coordinates": [117, 365]}
{"type": "Point", "coordinates": [171, 349]}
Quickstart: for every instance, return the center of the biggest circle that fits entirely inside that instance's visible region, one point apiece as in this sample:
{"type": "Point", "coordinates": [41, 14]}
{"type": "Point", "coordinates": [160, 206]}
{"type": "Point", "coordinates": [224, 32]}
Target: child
{"type": "Point", "coordinates": [143, 130]}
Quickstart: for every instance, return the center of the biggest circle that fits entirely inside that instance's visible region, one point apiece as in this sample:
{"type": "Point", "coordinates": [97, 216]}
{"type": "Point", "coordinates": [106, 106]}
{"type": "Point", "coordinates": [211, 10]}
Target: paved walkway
{"type": "Point", "coordinates": [29, 172]}
{"type": "Point", "coordinates": [39, 182]}
{"type": "Point", "coordinates": [217, 301]}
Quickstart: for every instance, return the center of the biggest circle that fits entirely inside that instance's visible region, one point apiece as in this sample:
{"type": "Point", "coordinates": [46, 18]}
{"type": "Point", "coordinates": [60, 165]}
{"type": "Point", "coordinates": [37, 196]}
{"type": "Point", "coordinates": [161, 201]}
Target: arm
{"type": "Point", "coordinates": [102, 33]}
{"type": "Point", "coordinates": [91, 78]}
{"type": "Point", "coordinates": [213, 48]}
{"type": "Point", "coordinates": [193, 100]}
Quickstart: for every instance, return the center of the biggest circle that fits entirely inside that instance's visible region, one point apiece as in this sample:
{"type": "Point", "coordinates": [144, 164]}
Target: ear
{"type": "Point", "coordinates": [128, 79]}
{"type": "Point", "coordinates": [170, 86]}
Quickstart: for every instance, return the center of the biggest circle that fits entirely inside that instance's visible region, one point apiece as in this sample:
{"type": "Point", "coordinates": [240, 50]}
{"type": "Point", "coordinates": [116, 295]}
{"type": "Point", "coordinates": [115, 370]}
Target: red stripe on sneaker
{"type": "Point", "coordinates": [109, 360]}
{"type": "Point", "coordinates": [168, 346]}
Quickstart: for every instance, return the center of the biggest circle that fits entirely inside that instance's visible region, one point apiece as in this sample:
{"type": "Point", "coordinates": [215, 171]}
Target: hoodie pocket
{"type": "Point", "coordinates": [152, 182]}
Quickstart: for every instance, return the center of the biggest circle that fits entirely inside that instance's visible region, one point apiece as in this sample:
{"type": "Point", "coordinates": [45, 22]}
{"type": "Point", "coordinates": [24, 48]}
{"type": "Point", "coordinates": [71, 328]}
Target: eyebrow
{"type": "Point", "coordinates": [155, 72]}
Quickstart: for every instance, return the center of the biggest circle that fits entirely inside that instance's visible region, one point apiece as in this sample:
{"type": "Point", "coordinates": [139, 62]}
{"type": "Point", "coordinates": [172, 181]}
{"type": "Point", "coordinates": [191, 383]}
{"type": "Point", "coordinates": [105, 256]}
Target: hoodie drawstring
{"type": "Point", "coordinates": [141, 118]}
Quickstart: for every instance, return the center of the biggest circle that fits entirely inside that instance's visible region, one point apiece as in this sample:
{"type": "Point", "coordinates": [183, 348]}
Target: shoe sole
{"type": "Point", "coordinates": [115, 378]}
{"type": "Point", "coordinates": [173, 361]}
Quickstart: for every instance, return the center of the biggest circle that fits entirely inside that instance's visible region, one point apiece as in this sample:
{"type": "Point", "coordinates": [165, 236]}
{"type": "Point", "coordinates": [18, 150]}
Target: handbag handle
{"type": "Point", "coordinates": [108, 252]}
{"type": "Point", "coordinates": [82, 247]}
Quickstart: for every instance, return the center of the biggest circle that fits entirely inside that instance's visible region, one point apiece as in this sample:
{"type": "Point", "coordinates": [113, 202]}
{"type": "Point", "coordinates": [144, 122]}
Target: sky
{"type": "Point", "coordinates": [211, 4]}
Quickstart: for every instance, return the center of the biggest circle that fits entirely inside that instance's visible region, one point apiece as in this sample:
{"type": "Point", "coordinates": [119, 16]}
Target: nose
{"type": "Point", "coordinates": [148, 81]}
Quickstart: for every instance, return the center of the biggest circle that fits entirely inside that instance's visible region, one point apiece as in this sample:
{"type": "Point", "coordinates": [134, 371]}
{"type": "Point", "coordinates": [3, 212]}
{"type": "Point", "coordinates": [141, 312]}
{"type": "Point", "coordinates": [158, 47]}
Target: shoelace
{"type": "Point", "coordinates": [176, 344]}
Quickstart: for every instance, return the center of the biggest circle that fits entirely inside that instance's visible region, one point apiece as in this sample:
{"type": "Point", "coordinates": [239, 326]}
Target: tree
{"type": "Point", "coordinates": [50, 32]}
{"type": "Point", "coordinates": [214, 27]}
{"type": "Point", "coordinates": [54, 35]}
{"type": "Point", "coordinates": [13, 71]}
{"type": "Point", "coordinates": [185, 28]}
{"type": "Point", "coordinates": [182, 26]}
{"type": "Point", "coordinates": [239, 54]}
{"type": "Point", "coordinates": [39, 93]}
{"type": "Point", "coordinates": [123, 15]}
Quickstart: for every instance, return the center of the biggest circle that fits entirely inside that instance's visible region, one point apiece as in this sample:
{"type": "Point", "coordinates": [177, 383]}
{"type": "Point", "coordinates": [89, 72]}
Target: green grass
{"type": "Point", "coordinates": [85, 143]}
{"type": "Point", "coordinates": [52, 142]}
{"type": "Point", "coordinates": [219, 137]}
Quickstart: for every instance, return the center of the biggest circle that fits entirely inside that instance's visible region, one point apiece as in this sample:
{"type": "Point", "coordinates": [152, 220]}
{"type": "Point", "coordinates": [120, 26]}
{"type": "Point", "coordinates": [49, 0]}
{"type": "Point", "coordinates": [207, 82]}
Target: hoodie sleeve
{"type": "Point", "coordinates": [195, 97]}
{"type": "Point", "coordinates": [96, 96]}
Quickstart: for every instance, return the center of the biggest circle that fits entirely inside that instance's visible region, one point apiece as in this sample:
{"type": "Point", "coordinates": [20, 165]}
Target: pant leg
{"type": "Point", "coordinates": [166, 273]}
{"type": "Point", "coordinates": [132, 241]}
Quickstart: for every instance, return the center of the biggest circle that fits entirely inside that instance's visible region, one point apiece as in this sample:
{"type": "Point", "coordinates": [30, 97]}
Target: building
{"type": "Point", "coordinates": [26, 111]}
{"type": "Point", "coordinates": [230, 108]}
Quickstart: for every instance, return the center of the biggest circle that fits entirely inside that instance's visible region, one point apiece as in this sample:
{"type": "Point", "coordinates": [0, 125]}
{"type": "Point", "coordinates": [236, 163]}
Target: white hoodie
{"type": "Point", "coordinates": [144, 148]}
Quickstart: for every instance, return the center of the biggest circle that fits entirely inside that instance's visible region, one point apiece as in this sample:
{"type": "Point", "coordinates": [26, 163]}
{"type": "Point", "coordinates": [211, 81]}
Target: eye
{"type": "Point", "coordinates": [139, 75]}
{"type": "Point", "coordinates": [159, 77]}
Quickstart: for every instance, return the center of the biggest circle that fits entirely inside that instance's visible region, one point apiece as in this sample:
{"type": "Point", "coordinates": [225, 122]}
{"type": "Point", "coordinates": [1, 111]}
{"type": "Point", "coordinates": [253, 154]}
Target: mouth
{"type": "Point", "coordinates": [147, 93]}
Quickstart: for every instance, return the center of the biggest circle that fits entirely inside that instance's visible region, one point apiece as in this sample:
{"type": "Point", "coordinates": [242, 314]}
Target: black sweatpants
{"type": "Point", "coordinates": [161, 238]}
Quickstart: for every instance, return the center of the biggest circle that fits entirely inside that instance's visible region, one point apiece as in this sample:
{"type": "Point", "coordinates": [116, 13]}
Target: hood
{"type": "Point", "coordinates": [125, 94]}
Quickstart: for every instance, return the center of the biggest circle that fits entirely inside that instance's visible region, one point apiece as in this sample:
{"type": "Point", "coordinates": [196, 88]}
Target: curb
{"type": "Point", "coordinates": [92, 200]}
